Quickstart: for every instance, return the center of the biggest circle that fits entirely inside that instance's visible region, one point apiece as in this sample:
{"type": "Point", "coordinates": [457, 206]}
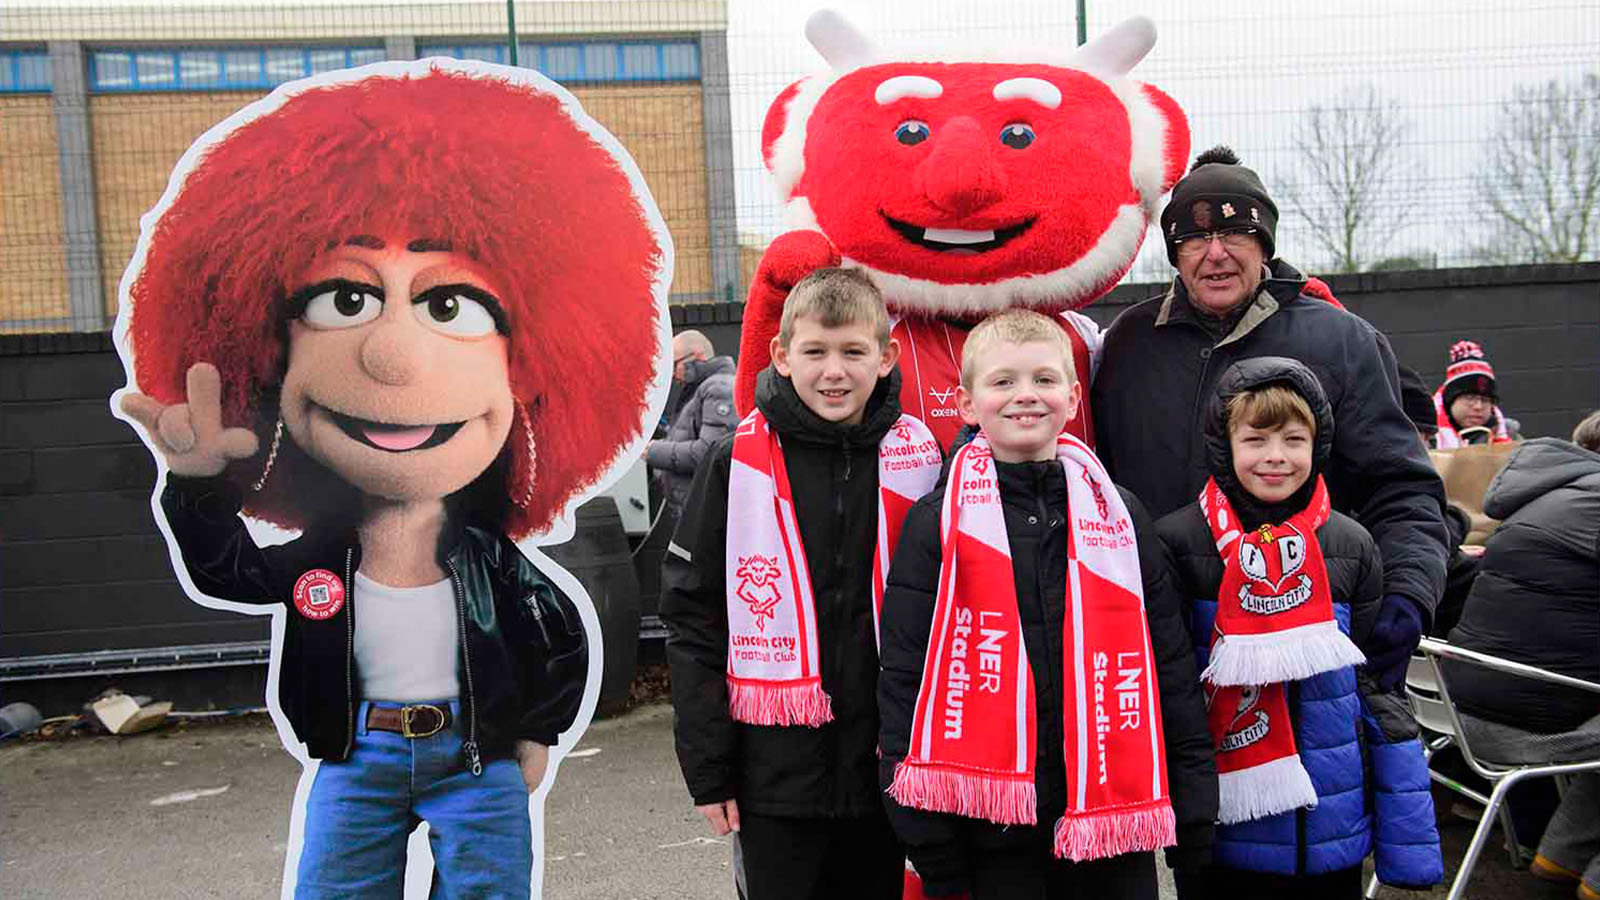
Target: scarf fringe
{"type": "Point", "coordinates": [801, 702]}
{"type": "Point", "coordinates": [1002, 798]}
{"type": "Point", "coordinates": [1266, 790]}
{"type": "Point", "coordinates": [1289, 655]}
{"type": "Point", "coordinates": [1125, 829]}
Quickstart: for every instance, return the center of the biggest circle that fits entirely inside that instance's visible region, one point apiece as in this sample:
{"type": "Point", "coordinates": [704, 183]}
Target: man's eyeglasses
{"type": "Point", "coordinates": [1232, 239]}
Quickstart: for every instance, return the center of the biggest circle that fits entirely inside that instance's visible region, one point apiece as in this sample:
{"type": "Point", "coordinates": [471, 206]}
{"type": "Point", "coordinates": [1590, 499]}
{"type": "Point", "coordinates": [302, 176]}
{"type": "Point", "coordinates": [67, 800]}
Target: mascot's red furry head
{"type": "Point", "coordinates": [967, 187]}
{"type": "Point", "coordinates": [546, 207]}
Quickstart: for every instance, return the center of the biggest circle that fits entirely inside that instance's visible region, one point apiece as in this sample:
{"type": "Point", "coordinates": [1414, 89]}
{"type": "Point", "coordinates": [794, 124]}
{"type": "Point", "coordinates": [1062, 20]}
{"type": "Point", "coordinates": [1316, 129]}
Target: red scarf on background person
{"type": "Point", "coordinates": [774, 677]}
{"type": "Point", "coordinates": [974, 732]}
{"type": "Point", "coordinates": [1449, 438]}
{"type": "Point", "coordinates": [1275, 620]}
{"type": "Point", "coordinates": [1274, 611]}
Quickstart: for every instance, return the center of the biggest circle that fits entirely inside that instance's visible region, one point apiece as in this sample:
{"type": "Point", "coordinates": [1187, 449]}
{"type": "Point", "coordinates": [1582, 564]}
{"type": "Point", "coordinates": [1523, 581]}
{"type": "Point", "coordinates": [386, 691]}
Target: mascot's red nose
{"type": "Point", "coordinates": [961, 176]}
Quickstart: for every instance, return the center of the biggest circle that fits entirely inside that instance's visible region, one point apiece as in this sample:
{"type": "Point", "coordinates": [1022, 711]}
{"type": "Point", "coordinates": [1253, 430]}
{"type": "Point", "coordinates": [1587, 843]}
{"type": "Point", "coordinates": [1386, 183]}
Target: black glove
{"type": "Point", "coordinates": [942, 868]}
{"type": "Point", "coordinates": [1394, 638]}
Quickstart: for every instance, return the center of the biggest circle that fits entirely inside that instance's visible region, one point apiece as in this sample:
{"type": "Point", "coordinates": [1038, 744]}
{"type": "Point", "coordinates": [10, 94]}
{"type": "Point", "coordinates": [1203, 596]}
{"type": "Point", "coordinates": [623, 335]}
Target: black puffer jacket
{"type": "Point", "coordinates": [1034, 501]}
{"type": "Point", "coordinates": [826, 772]}
{"type": "Point", "coordinates": [523, 654]}
{"type": "Point", "coordinates": [1160, 366]}
{"type": "Point", "coordinates": [1537, 596]}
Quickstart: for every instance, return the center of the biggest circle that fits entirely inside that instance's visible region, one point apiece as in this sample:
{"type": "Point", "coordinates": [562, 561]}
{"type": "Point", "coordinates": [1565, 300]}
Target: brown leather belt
{"type": "Point", "coordinates": [419, 721]}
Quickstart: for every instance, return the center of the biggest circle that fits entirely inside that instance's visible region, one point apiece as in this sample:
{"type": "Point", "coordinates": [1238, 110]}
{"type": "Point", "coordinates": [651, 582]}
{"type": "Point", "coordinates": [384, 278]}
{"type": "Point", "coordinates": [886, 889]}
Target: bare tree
{"type": "Point", "coordinates": [1541, 174]}
{"type": "Point", "coordinates": [1354, 168]}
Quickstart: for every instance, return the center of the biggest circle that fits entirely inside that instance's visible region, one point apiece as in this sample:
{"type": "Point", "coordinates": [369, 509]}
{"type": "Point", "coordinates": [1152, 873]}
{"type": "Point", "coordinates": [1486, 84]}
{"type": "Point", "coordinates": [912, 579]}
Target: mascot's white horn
{"type": "Point", "coordinates": [1117, 51]}
{"type": "Point", "coordinates": [840, 43]}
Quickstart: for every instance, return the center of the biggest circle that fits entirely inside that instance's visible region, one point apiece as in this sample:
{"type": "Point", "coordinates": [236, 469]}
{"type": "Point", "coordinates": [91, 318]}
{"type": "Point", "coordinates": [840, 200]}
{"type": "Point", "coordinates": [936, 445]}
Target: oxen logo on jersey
{"type": "Point", "coordinates": [758, 586]}
{"type": "Point", "coordinates": [1271, 561]}
{"type": "Point", "coordinates": [941, 397]}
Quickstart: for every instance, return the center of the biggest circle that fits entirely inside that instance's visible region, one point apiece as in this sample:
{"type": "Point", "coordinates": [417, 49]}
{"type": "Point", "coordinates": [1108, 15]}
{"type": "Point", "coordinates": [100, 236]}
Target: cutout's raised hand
{"type": "Point", "coordinates": [190, 435]}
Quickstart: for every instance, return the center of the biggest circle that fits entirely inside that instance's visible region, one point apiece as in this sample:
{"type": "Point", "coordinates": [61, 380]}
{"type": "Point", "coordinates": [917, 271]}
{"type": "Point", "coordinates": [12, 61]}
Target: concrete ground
{"type": "Point", "coordinates": [202, 811]}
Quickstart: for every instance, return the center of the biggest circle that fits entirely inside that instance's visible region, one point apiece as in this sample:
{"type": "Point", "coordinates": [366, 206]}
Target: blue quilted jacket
{"type": "Point", "coordinates": [1360, 746]}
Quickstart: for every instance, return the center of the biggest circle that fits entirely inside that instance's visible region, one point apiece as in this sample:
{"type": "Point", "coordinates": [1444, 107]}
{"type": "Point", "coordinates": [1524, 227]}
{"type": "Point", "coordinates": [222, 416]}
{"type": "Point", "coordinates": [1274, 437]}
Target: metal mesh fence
{"type": "Point", "coordinates": [1416, 135]}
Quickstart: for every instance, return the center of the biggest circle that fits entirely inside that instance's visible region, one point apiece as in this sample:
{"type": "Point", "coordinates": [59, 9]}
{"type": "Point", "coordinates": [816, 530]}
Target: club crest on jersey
{"type": "Point", "coordinates": [1272, 562]}
{"type": "Point", "coordinates": [758, 586]}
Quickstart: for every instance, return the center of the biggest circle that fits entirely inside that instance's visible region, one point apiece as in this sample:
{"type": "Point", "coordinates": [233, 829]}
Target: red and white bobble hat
{"type": "Point", "coordinates": [1469, 372]}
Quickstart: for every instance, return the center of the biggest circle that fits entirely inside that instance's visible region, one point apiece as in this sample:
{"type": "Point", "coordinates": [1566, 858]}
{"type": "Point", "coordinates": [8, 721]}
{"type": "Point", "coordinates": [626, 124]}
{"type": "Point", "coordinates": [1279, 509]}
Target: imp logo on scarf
{"type": "Point", "coordinates": [902, 430]}
{"type": "Point", "coordinates": [1268, 567]}
{"type": "Point", "coordinates": [1100, 504]}
{"type": "Point", "coordinates": [1237, 736]}
{"type": "Point", "coordinates": [758, 586]}
{"type": "Point", "coordinates": [980, 457]}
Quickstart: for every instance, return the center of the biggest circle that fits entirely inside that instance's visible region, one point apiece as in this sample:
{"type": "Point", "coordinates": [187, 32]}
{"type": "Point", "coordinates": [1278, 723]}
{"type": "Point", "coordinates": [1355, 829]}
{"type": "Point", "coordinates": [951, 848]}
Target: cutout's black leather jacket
{"type": "Point", "coordinates": [523, 653]}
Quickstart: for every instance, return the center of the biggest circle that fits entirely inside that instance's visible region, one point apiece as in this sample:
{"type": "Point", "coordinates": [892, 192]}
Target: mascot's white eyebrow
{"type": "Point", "coordinates": [1038, 90]}
{"type": "Point", "coordinates": [893, 89]}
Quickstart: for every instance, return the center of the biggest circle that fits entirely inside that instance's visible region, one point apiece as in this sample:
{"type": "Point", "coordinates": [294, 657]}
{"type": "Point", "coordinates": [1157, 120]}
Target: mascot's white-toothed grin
{"type": "Point", "coordinates": [957, 241]}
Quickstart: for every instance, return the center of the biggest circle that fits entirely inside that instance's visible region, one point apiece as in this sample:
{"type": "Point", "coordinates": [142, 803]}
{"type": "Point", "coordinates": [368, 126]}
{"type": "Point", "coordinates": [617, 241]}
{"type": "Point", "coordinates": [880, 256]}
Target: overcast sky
{"type": "Point", "coordinates": [1243, 72]}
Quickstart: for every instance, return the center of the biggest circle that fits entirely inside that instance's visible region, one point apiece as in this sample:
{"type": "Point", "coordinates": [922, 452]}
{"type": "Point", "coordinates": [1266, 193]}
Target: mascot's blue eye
{"type": "Point", "coordinates": [1017, 136]}
{"type": "Point", "coordinates": [911, 131]}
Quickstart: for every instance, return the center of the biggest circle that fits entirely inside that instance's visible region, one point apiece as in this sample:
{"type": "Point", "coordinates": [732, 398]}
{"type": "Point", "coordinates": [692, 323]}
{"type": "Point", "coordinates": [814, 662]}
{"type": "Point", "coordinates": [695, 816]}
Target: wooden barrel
{"type": "Point", "coordinates": [598, 557]}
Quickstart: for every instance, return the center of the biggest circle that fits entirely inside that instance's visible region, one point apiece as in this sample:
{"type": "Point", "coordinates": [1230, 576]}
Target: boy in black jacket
{"type": "Point", "coordinates": [1078, 815]}
{"type": "Point", "coordinates": [769, 591]}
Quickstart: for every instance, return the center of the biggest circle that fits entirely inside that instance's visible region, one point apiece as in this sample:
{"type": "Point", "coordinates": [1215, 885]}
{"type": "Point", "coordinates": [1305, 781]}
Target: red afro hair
{"type": "Point", "coordinates": [499, 170]}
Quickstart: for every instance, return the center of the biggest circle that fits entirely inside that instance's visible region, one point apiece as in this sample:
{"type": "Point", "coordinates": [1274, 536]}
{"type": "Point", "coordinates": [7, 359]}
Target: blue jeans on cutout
{"type": "Point", "coordinates": [361, 812]}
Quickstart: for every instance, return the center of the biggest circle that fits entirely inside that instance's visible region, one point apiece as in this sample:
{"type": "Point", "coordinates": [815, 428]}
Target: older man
{"type": "Point", "coordinates": [1230, 301]}
{"type": "Point", "coordinates": [705, 413]}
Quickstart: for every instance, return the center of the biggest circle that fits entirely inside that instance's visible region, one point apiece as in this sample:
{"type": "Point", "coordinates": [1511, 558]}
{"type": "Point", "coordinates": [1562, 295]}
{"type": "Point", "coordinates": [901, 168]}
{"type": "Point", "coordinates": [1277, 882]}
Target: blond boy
{"type": "Point", "coordinates": [1001, 780]}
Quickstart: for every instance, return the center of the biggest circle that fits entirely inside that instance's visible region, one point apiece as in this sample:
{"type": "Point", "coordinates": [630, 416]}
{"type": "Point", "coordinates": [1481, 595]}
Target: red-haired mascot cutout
{"type": "Point", "coordinates": [964, 188]}
{"type": "Point", "coordinates": [416, 313]}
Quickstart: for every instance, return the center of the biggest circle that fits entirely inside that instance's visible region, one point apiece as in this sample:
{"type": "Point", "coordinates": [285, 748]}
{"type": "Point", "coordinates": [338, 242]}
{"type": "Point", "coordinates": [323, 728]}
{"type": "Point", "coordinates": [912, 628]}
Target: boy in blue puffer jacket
{"type": "Point", "coordinates": [1317, 766]}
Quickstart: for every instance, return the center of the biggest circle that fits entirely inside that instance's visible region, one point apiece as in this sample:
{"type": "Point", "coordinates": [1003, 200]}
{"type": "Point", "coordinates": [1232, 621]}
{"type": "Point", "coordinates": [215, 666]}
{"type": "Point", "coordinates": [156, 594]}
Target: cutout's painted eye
{"type": "Point", "coordinates": [911, 131]}
{"type": "Point", "coordinates": [342, 304]}
{"type": "Point", "coordinates": [453, 312]}
{"type": "Point", "coordinates": [1017, 136]}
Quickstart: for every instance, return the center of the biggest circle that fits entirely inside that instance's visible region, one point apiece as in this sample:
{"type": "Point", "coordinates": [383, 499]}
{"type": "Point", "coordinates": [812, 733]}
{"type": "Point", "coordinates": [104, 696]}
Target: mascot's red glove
{"type": "Point", "coordinates": [793, 256]}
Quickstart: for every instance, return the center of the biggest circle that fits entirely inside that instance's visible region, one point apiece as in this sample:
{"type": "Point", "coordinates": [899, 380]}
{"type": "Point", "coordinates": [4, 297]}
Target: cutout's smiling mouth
{"type": "Point", "coordinates": [955, 240]}
{"type": "Point", "coordinates": [393, 438]}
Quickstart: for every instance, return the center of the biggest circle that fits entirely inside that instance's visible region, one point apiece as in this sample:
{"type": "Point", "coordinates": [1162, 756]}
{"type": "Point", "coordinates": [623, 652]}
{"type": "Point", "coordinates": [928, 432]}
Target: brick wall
{"type": "Point", "coordinates": [138, 138]}
{"type": "Point", "coordinates": [33, 281]}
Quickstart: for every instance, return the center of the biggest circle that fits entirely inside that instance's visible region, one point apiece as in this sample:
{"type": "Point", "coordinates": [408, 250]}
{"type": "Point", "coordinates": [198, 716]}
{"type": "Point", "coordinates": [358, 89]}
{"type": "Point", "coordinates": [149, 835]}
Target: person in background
{"type": "Point", "coordinates": [705, 415]}
{"type": "Point", "coordinates": [1464, 406]}
{"type": "Point", "coordinates": [1464, 558]}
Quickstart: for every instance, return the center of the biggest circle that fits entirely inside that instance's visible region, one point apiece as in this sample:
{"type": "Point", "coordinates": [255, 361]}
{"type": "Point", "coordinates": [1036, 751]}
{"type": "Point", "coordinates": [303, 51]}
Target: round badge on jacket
{"type": "Point", "coordinates": [318, 594]}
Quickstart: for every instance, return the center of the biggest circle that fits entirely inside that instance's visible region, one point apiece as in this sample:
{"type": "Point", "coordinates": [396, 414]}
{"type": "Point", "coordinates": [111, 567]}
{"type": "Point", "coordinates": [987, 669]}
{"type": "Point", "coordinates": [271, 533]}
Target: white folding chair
{"type": "Point", "coordinates": [1502, 776]}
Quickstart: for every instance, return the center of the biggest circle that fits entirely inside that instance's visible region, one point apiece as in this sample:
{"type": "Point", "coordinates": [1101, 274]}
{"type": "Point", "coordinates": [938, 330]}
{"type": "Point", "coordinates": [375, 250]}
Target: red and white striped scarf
{"type": "Point", "coordinates": [774, 676]}
{"type": "Point", "coordinates": [1449, 438]}
{"type": "Point", "coordinates": [974, 733]}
